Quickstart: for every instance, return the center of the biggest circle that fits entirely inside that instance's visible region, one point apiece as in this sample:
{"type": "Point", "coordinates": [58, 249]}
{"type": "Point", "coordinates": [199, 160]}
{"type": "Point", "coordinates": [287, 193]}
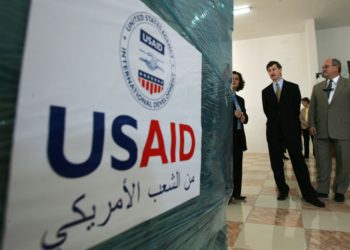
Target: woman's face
{"type": "Point", "coordinates": [235, 81]}
{"type": "Point", "coordinates": [305, 103]}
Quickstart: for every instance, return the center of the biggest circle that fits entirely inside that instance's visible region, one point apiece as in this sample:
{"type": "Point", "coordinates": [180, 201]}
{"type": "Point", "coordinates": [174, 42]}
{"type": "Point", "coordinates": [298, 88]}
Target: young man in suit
{"type": "Point", "coordinates": [329, 120]}
{"type": "Point", "coordinates": [281, 104]}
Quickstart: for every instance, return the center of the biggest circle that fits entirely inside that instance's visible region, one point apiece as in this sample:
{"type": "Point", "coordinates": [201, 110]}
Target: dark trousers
{"type": "Point", "coordinates": [300, 169]}
{"type": "Point", "coordinates": [237, 165]}
{"type": "Point", "coordinates": [306, 138]}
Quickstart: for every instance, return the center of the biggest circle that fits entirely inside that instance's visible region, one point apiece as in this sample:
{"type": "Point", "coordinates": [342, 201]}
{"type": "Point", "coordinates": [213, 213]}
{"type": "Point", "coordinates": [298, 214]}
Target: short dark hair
{"type": "Point", "coordinates": [241, 81]}
{"type": "Point", "coordinates": [271, 63]}
{"type": "Point", "coordinates": [337, 63]}
{"type": "Point", "coordinates": [305, 99]}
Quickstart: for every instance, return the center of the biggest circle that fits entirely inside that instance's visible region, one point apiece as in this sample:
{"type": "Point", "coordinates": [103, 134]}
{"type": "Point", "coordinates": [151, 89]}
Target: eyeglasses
{"type": "Point", "coordinates": [327, 66]}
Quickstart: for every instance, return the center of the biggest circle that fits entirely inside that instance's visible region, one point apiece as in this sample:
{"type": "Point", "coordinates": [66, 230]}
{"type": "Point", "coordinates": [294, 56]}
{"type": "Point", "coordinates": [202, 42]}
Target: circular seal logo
{"type": "Point", "coordinates": [147, 60]}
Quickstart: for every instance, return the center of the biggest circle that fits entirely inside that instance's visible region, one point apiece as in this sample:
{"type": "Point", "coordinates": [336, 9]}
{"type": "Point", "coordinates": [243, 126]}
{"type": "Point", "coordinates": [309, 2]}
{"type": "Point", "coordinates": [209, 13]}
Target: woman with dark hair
{"type": "Point", "coordinates": [240, 118]}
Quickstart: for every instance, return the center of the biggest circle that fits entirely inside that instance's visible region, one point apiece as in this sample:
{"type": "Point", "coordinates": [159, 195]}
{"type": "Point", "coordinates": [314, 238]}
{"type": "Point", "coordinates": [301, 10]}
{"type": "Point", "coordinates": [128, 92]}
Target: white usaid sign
{"type": "Point", "coordinates": [108, 124]}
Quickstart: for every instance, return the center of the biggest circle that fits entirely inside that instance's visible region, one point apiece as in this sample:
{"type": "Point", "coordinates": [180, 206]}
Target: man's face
{"type": "Point", "coordinates": [328, 70]}
{"type": "Point", "coordinates": [274, 73]}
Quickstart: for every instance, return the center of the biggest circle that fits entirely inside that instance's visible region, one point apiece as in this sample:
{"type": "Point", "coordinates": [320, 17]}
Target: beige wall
{"type": "Point", "coordinates": [334, 43]}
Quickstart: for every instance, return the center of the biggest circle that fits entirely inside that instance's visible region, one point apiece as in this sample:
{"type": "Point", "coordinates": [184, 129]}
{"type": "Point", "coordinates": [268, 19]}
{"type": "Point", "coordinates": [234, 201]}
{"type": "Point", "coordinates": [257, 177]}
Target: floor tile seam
{"type": "Point", "coordinates": [278, 226]}
{"type": "Point", "coordinates": [327, 230]}
{"type": "Point", "coordinates": [277, 210]}
{"type": "Point", "coordinates": [283, 226]}
{"type": "Point", "coordinates": [245, 222]}
{"type": "Point", "coordinates": [250, 211]}
{"type": "Point", "coordinates": [320, 229]}
{"type": "Point", "coordinates": [254, 204]}
{"type": "Point", "coordinates": [281, 208]}
{"type": "Point", "coordinates": [326, 211]}
{"type": "Point", "coordinates": [262, 194]}
{"type": "Point", "coordinates": [239, 231]}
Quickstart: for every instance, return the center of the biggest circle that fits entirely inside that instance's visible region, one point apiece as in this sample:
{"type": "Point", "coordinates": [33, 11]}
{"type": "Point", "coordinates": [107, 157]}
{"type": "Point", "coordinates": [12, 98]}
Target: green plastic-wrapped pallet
{"type": "Point", "coordinates": [199, 223]}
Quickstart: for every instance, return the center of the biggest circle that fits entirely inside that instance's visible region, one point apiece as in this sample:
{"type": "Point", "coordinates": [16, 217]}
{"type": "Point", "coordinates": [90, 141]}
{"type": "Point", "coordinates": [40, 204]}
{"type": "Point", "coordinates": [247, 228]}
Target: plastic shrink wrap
{"type": "Point", "coordinates": [199, 223]}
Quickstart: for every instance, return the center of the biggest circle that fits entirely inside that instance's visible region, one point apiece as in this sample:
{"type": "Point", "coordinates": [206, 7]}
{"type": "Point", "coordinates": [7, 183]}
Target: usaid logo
{"type": "Point", "coordinates": [147, 60]}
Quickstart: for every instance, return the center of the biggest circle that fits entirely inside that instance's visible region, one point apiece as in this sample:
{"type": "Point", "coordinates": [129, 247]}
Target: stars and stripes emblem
{"type": "Point", "coordinates": [151, 83]}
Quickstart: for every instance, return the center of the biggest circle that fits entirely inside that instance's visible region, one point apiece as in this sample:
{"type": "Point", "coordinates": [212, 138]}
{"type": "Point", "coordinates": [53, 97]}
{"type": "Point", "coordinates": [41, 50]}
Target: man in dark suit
{"type": "Point", "coordinates": [281, 104]}
{"type": "Point", "coordinates": [329, 120]}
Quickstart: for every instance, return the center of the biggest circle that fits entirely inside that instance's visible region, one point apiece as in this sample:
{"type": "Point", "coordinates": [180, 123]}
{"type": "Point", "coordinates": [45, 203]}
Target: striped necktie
{"type": "Point", "coordinates": [278, 92]}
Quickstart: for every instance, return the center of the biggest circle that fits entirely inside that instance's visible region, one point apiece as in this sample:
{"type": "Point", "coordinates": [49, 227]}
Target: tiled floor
{"type": "Point", "coordinates": [263, 223]}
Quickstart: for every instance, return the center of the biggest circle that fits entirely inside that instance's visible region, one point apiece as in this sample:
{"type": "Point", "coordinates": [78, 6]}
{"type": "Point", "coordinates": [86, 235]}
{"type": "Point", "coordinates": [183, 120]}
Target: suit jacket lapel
{"type": "Point", "coordinates": [272, 93]}
{"type": "Point", "coordinates": [338, 89]}
{"type": "Point", "coordinates": [323, 91]}
{"type": "Point", "coordinates": [324, 86]}
{"type": "Point", "coordinates": [283, 90]}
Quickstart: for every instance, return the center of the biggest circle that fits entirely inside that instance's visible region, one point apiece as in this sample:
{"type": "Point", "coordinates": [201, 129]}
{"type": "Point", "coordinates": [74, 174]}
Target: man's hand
{"type": "Point", "coordinates": [313, 131]}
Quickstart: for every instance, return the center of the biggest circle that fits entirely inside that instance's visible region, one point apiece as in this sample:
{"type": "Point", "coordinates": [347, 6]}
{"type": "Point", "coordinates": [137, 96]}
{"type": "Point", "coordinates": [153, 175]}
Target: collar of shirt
{"type": "Point", "coordinates": [279, 82]}
{"type": "Point", "coordinates": [335, 81]}
{"type": "Point", "coordinates": [334, 85]}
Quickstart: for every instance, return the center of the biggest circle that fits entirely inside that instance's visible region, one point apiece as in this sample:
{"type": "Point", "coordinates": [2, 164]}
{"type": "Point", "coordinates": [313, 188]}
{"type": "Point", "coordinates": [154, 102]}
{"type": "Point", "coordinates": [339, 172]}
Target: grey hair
{"type": "Point", "coordinates": [337, 63]}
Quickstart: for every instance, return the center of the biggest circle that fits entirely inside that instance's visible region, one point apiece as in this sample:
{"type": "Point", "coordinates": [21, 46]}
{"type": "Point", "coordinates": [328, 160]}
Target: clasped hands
{"type": "Point", "coordinates": [240, 115]}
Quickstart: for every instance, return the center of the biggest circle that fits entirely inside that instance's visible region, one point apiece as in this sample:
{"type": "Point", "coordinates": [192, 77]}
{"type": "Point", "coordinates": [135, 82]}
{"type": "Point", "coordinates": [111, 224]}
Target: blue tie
{"type": "Point", "coordinates": [329, 88]}
{"type": "Point", "coordinates": [238, 108]}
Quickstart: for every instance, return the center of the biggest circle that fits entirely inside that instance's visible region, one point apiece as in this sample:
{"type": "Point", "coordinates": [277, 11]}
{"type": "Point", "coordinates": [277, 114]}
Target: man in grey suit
{"type": "Point", "coordinates": [329, 120]}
